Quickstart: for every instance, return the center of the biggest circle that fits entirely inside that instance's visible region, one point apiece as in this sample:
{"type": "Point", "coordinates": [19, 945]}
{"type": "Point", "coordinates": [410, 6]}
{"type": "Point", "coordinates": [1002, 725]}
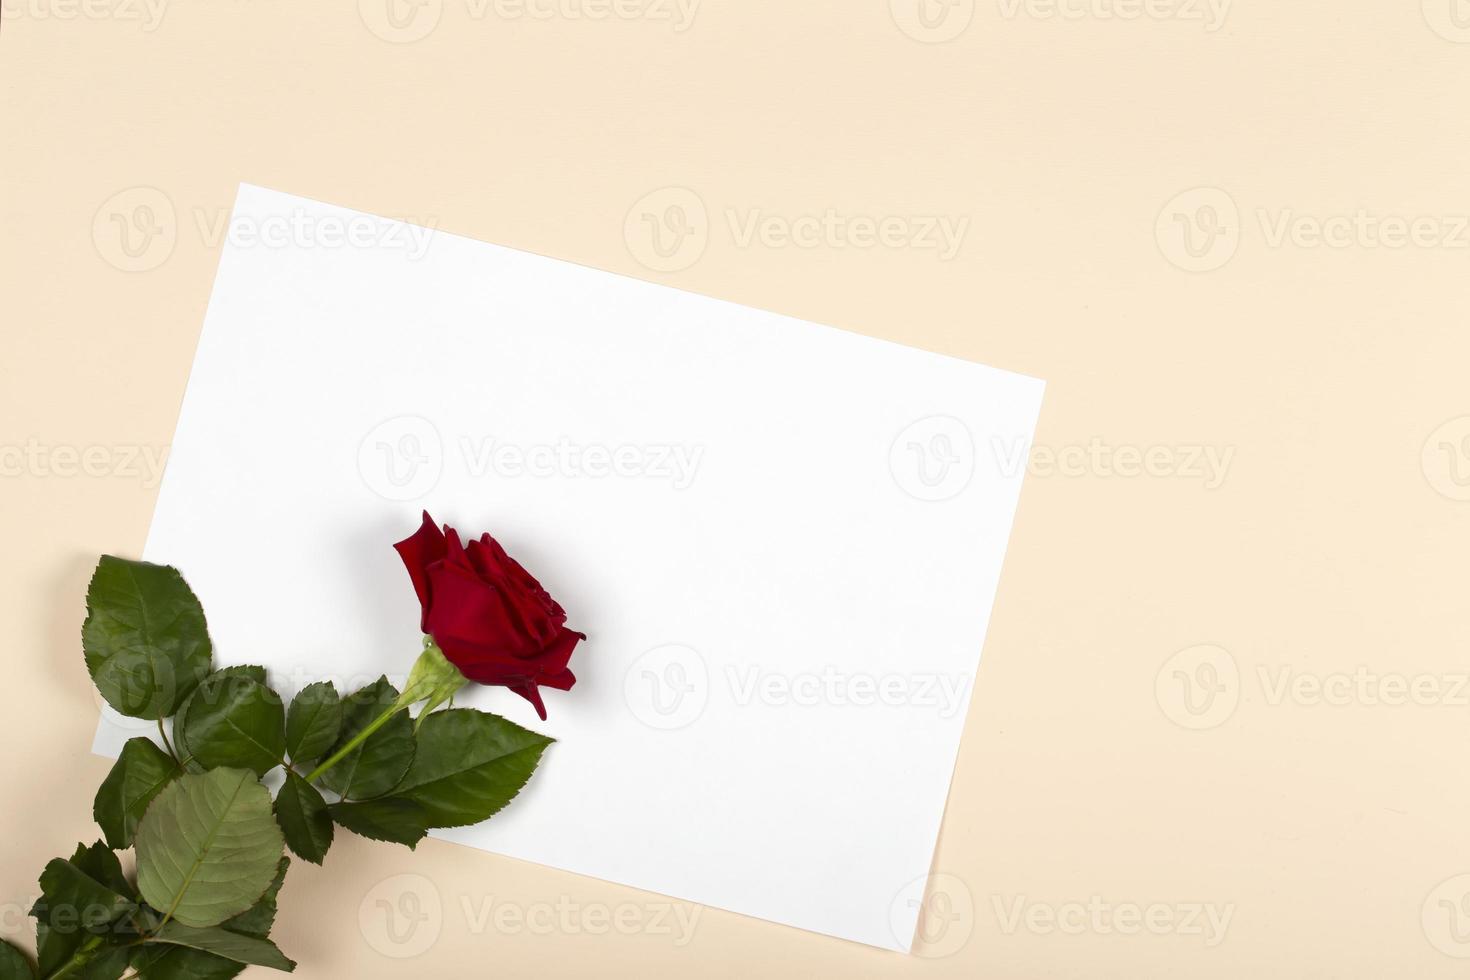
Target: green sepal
{"type": "Point", "coordinates": [433, 680]}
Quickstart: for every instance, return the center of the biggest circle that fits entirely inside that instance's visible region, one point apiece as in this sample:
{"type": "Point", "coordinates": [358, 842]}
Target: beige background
{"type": "Point", "coordinates": [1301, 779]}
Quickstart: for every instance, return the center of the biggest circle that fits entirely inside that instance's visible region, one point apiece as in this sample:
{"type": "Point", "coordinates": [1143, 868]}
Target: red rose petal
{"type": "Point", "coordinates": [418, 551]}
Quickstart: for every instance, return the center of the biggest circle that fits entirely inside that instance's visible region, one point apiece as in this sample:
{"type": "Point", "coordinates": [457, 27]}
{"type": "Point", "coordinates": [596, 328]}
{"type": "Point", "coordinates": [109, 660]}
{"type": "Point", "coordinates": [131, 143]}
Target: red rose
{"type": "Point", "coordinates": [490, 617]}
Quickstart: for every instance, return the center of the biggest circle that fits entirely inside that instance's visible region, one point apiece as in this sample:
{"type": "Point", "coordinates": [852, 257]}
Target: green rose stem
{"type": "Point", "coordinates": [168, 745]}
{"type": "Point", "coordinates": [80, 958]}
{"type": "Point", "coordinates": [433, 680]}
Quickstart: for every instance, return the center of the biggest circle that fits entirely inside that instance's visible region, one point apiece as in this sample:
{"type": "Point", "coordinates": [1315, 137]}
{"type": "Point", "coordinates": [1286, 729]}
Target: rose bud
{"type": "Point", "coordinates": [491, 620]}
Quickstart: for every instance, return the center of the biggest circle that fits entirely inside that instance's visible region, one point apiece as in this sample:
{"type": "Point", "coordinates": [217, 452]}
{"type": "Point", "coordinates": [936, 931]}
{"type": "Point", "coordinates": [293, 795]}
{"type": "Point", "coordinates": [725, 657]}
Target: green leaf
{"type": "Point", "coordinates": [302, 814]}
{"type": "Point", "coordinates": [181, 737]}
{"type": "Point", "coordinates": [73, 902]}
{"type": "Point", "coordinates": [468, 765]}
{"type": "Point", "coordinates": [235, 721]}
{"type": "Point", "coordinates": [314, 722]}
{"type": "Point", "coordinates": [208, 847]}
{"type": "Point", "coordinates": [54, 948]}
{"type": "Point", "coordinates": [15, 965]}
{"type": "Point", "coordinates": [93, 881]}
{"type": "Point", "coordinates": [224, 943]}
{"type": "Point", "coordinates": [391, 819]}
{"type": "Point", "coordinates": [92, 959]}
{"type": "Point", "coordinates": [377, 765]}
{"type": "Point", "coordinates": [100, 863]}
{"type": "Point", "coordinates": [84, 901]}
{"type": "Point", "coordinates": [164, 962]}
{"type": "Point", "coordinates": [107, 963]}
{"type": "Point", "coordinates": [145, 638]}
{"type": "Point", "coordinates": [258, 919]}
{"type": "Point", "coordinates": [141, 771]}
